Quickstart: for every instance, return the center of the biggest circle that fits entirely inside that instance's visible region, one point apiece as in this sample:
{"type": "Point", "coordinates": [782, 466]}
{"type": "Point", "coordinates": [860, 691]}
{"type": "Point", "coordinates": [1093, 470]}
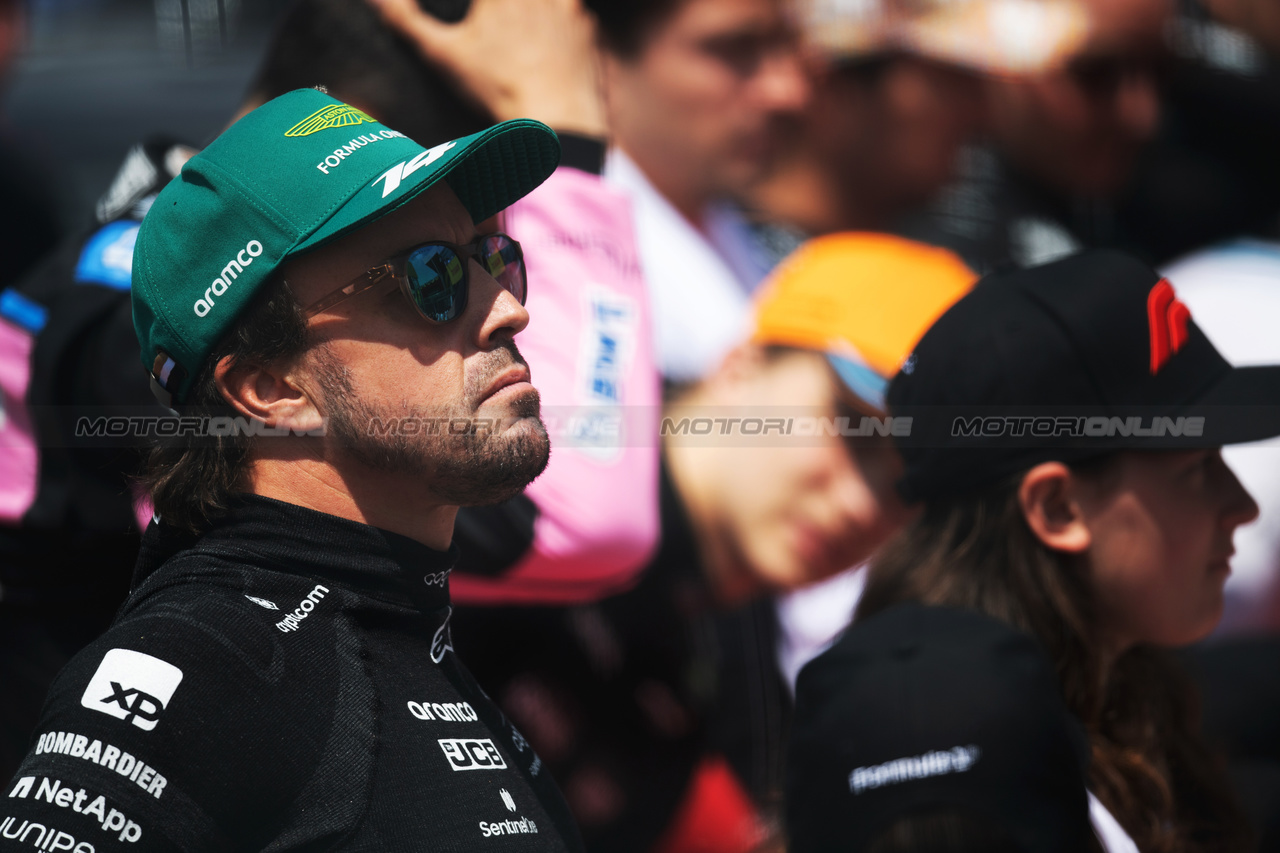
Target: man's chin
{"type": "Point", "coordinates": [510, 406]}
{"type": "Point", "coordinates": [514, 457]}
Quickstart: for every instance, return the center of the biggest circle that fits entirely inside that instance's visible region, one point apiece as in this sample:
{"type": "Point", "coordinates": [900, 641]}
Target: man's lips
{"type": "Point", "coordinates": [517, 375]}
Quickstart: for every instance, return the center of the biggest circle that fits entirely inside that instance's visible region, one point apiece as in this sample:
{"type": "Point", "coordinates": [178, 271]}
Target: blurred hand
{"type": "Point", "coordinates": [519, 58]}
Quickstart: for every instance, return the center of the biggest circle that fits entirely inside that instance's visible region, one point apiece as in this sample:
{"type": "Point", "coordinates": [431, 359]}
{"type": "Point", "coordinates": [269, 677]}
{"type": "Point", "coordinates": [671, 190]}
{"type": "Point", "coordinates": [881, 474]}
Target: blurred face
{"type": "Point", "coordinates": [895, 137]}
{"type": "Point", "coordinates": [802, 509]}
{"type": "Point", "coordinates": [1161, 528]}
{"type": "Point", "coordinates": [1080, 128]}
{"type": "Point", "coordinates": [375, 361]}
{"type": "Point", "coordinates": [698, 107]}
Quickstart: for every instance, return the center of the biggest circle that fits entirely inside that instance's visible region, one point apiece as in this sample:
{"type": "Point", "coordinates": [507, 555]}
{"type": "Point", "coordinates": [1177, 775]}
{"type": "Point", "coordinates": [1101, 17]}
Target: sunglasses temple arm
{"type": "Point", "coordinates": [360, 285]}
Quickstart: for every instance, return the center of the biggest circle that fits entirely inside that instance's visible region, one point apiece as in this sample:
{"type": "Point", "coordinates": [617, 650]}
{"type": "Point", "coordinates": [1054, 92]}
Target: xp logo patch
{"type": "Point", "coordinates": [336, 115]}
{"type": "Point", "coordinates": [132, 686]}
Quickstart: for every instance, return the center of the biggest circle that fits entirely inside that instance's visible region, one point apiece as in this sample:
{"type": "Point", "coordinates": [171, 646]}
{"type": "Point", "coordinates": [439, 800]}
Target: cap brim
{"type": "Point", "coordinates": [1243, 406]}
{"type": "Point", "coordinates": [489, 171]}
{"type": "Point", "coordinates": [864, 382]}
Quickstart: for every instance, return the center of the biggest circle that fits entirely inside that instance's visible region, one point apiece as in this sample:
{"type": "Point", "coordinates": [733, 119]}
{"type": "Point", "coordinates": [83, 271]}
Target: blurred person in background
{"type": "Point", "coordinates": [1212, 173]}
{"type": "Point", "coordinates": [662, 711]}
{"type": "Point", "coordinates": [897, 91]}
{"type": "Point", "coordinates": [29, 226]}
{"type": "Point", "coordinates": [1106, 546]}
{"type": "Point", "coordinates": [1061, 145]}
{"type": "Point", "coordinates": [71, 537]}
{"type": "Point", "coordinates": [696, 91]}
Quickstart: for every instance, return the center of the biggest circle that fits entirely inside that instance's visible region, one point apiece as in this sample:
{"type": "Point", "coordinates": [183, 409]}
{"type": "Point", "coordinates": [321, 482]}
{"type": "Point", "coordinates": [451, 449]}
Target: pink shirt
{"type": "Point", "coordinates": [589, 347]}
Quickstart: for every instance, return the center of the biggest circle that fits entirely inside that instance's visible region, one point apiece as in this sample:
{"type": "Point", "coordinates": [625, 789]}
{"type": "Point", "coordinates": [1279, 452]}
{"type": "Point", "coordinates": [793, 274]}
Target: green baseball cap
{"type": "Point", "coordinates": [292, 175]}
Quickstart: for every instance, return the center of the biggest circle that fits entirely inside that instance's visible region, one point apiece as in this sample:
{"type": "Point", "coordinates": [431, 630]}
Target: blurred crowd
{"type": "Point", "coordinates": [763, 206]}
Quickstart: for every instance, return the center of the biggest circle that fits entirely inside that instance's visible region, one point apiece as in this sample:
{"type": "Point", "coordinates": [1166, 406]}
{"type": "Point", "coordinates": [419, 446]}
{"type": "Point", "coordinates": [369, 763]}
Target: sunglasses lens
{"type": "Point", "coordinates": [437, 282]}
{"type": "Point", "coordinates": [502, 258]}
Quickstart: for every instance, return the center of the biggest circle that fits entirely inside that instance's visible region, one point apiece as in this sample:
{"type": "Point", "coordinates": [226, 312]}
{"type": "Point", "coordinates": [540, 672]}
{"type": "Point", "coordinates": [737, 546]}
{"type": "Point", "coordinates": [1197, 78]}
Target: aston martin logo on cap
{"type": "Point", "coordinates": [337, 115]}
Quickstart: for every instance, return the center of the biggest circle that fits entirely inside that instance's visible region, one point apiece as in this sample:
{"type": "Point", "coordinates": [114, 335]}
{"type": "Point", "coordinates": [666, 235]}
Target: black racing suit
{"type": "Point", "coordinates": [285, 681]}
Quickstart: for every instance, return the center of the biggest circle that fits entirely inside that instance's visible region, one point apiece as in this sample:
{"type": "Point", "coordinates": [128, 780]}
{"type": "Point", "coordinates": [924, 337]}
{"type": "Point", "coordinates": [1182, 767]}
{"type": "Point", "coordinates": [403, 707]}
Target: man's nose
{"type": "Point", "coordinates": [504, 316]}
{"type": "Point", "coordinates": [782, 84]}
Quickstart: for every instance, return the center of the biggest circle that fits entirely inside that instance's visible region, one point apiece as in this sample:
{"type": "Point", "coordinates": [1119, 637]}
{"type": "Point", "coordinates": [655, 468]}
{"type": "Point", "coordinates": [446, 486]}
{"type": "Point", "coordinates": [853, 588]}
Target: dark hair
{"type": "Point", "coordinates": [624, 26]}
{"type": "Point", "coordinates": [868, 69]}
{"type": "Point", "coordinates": [191, 481]}
{"type": "Point", "coordinates": [344, 46]}
{"type": "Point", "coordinates": [1150, 767]}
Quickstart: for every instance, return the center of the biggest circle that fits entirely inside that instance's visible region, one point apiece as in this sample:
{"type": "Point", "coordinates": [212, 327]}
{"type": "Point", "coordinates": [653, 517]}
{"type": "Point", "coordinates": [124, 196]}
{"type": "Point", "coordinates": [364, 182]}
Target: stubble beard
{"type": "Point", "coordinates": [468, 460]}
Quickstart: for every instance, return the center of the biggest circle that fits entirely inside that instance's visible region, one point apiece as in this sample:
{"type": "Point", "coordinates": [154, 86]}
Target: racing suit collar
{"type": "Point", "coordinates": [289, 538]}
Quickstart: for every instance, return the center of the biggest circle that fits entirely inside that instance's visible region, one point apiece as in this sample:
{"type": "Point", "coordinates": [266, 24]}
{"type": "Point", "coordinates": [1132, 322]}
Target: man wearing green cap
{"type": "Point", "coordinates": [332, 311]}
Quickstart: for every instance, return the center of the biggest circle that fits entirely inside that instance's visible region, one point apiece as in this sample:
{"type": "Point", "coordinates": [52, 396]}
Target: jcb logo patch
{"type": "Point", "coordinates": [337, 115]}
{"type": "Point", "coordinates": [132, 686]}
{"type": "Point", "coordinates": [472, 754]}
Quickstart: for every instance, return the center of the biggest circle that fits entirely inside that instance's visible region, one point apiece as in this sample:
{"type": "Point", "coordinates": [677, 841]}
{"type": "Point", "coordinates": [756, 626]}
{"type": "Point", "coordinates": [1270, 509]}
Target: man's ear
{"type": "Point", "coordinates": [267, 393]}
{"type": "Point", "coordinates": [1051, 507]}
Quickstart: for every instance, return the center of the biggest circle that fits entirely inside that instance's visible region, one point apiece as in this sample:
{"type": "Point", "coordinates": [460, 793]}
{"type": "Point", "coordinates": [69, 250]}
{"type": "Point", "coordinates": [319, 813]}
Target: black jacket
{"type": "Point", "coordinates": [284, 682]}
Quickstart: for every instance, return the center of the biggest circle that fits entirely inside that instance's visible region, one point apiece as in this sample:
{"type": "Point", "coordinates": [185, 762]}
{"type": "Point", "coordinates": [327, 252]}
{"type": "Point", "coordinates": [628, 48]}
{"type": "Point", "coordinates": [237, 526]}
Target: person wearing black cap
{"type": "Point", "coordinates": [1066, 426]}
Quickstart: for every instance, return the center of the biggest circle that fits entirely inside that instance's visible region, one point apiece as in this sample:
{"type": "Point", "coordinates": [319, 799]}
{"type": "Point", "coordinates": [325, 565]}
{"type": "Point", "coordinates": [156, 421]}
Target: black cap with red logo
{"type": "Point", "coordinates": [1068, 360]}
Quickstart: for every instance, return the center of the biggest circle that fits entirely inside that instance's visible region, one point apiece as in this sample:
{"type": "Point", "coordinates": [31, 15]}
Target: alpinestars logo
{"type": "Point", "coordinates": [337, 115]}
{"type": "Point", "coordinates": [262, 602]}
{"type": "Point", "coordinates": [132, 686]}
{"type": "Point", "coordinates": [397, 173]}
{"type": "Point", "coordinates": [443, 640]}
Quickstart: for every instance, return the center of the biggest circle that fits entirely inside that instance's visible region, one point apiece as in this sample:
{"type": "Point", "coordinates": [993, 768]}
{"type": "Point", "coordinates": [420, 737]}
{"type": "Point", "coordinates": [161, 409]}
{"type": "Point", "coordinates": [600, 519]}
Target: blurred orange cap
{"type": "Point", "coordinates": [864, 299]}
